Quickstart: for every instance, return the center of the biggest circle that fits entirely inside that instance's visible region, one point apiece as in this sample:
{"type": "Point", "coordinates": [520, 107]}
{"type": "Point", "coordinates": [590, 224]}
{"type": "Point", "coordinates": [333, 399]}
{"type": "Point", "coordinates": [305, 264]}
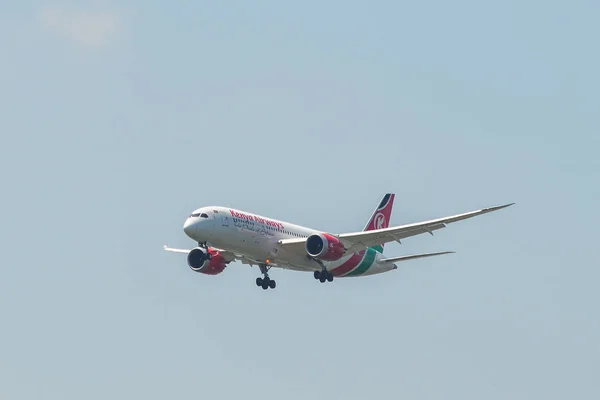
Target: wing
{"type": "Point", "coordinates": [358, 241]}
{"type": "Point", "coordinates": [183, 251]}
{"type": "Point", "coordinates": [362, 240]}
{"type": "Point", "coordinates": [231, 256]}
{"type": "Point", "coordinates": [227, 255]}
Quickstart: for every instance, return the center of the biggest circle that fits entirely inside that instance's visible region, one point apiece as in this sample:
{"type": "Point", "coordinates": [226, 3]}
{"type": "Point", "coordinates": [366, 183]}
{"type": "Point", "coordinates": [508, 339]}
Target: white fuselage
{"type": "Point", "coordinates": [256, 237]}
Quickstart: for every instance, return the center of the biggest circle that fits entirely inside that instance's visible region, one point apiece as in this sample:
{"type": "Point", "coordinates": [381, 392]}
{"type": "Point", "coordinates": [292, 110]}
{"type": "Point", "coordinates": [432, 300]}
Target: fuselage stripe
{"type": "Point", "coordinates": [365, 264]}
{"type": "Point", "coordinates": [349, 265]}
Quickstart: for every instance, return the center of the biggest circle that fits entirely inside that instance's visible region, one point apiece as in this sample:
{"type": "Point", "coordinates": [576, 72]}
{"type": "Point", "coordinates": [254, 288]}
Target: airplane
{"type": "Point", "coordinates": [225, 235]}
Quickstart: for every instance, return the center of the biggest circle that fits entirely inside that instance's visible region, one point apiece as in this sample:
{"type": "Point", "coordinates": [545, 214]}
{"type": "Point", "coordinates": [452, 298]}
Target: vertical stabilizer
{"type": "Point", "coordinates": [381, 216]}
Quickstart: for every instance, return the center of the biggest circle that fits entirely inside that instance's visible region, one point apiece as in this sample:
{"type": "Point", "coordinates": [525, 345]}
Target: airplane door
{"type": "Point", "coordinates": [225, 221]}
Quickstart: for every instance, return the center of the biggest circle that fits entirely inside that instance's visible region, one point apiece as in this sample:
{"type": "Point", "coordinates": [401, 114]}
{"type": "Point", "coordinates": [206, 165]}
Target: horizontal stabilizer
{"type": "Point", "coordinates": [406, 258]}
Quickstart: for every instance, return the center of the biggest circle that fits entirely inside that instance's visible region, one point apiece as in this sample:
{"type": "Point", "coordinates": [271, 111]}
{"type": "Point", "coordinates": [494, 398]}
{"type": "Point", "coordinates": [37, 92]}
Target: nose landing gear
{"type": "Point", "coordinates": [204, 246]}
{"type": "Point", "coordinates": [265, 282]}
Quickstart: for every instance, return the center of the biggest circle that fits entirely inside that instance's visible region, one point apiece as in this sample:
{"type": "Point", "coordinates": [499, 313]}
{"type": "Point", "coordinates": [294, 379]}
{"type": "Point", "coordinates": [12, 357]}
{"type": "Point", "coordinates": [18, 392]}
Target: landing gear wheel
{"type": "Point", "coordinates": [265, 282]}
{"type": "Point", "coordinates": [323, 276]}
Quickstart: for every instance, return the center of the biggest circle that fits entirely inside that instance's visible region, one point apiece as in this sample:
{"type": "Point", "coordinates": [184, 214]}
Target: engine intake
{"type": "Point", "coordinates": [324, 246]}
{"type": "Point", "coordinates": [209, 262]}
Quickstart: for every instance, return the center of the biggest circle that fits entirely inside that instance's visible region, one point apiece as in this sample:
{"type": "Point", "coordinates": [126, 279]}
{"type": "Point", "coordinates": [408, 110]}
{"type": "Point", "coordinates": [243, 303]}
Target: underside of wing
{"type": "Point", "coordinates": [294, 245]}
{"type": "Point", "coordinates": [227, 255]}
{"type": "Point", "coordinates": [172, 250]}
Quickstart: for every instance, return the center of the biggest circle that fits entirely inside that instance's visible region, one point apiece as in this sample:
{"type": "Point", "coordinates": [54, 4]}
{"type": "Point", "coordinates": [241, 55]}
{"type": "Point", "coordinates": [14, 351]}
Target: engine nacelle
{"type": "Point", "coordinates": [324, 246]}
{"type": "Point", "coordinates": [209, 262]}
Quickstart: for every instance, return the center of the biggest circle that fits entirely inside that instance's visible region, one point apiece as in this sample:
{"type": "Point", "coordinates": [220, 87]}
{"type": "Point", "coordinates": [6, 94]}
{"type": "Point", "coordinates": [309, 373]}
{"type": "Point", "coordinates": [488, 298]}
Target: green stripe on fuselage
{"type": "Point", "coordinates": [365, 264]}
{"type": "Point", "coordinates": [378, 248]}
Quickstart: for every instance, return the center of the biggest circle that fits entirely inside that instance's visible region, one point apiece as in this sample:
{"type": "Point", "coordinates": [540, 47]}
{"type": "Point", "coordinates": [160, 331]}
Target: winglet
{"type": "Point", "coordinates": [501, 207]}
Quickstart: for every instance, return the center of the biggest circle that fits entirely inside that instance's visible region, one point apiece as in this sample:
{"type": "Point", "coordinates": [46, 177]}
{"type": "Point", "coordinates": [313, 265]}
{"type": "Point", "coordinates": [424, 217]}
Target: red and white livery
{"type": "Point", "coordinates": [224, 235]}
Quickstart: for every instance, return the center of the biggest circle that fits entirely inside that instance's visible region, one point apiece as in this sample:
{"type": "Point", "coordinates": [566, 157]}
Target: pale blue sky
{"type": "Point", "coordinates": [119, 118]}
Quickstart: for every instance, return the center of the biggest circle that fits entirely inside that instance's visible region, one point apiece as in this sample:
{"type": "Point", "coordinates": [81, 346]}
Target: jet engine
{"type": "Point", "coordinates": [209, 262]}
{"type": "Point", "coordinates": [324, 246]}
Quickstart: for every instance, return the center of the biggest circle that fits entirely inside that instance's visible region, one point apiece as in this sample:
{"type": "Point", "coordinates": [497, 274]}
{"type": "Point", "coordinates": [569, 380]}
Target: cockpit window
{"type": "Point", "coordinates": [203, 215]}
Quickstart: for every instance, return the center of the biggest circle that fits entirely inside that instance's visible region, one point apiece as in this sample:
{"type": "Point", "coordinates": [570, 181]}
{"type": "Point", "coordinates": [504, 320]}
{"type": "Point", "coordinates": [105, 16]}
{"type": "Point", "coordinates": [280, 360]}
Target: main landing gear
{"type": "Point", "coordinates": [265, 282]}
{"type": "Point", "coordinates": [323, 276]}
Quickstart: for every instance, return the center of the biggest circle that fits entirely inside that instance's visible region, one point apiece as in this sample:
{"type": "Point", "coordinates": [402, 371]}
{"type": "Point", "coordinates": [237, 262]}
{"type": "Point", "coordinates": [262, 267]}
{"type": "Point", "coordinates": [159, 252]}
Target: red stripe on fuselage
{"type": "Point", "coordinates": [349, 265]}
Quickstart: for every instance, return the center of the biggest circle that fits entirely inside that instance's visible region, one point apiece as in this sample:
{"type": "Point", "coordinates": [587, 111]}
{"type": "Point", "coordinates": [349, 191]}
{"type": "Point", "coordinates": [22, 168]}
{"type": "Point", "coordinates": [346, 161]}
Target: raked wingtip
{"type": "Point", "coordinates": [501, 207]}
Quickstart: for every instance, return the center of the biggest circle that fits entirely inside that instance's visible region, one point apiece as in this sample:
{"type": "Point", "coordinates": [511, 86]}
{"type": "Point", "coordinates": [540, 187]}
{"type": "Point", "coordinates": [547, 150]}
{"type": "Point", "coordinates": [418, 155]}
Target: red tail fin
{"type": "Point", "coordinates": [381, 216]}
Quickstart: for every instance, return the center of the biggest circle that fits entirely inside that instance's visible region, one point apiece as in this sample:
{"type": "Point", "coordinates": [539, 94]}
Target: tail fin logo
{"type": "Point", "coordinates": [382, 214]}
{"type": "Point", "coordinates": [379, 221]}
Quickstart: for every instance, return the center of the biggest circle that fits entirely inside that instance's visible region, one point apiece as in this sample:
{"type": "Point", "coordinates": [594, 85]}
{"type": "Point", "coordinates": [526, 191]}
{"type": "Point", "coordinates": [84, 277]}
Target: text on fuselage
{"type": "Point", "coordinates": [276, 225]}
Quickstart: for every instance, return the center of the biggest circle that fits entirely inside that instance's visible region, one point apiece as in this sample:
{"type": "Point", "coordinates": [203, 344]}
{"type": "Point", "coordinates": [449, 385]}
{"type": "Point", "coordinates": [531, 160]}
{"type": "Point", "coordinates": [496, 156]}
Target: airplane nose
{"type": "Point", "coordinates": [189, 227]}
